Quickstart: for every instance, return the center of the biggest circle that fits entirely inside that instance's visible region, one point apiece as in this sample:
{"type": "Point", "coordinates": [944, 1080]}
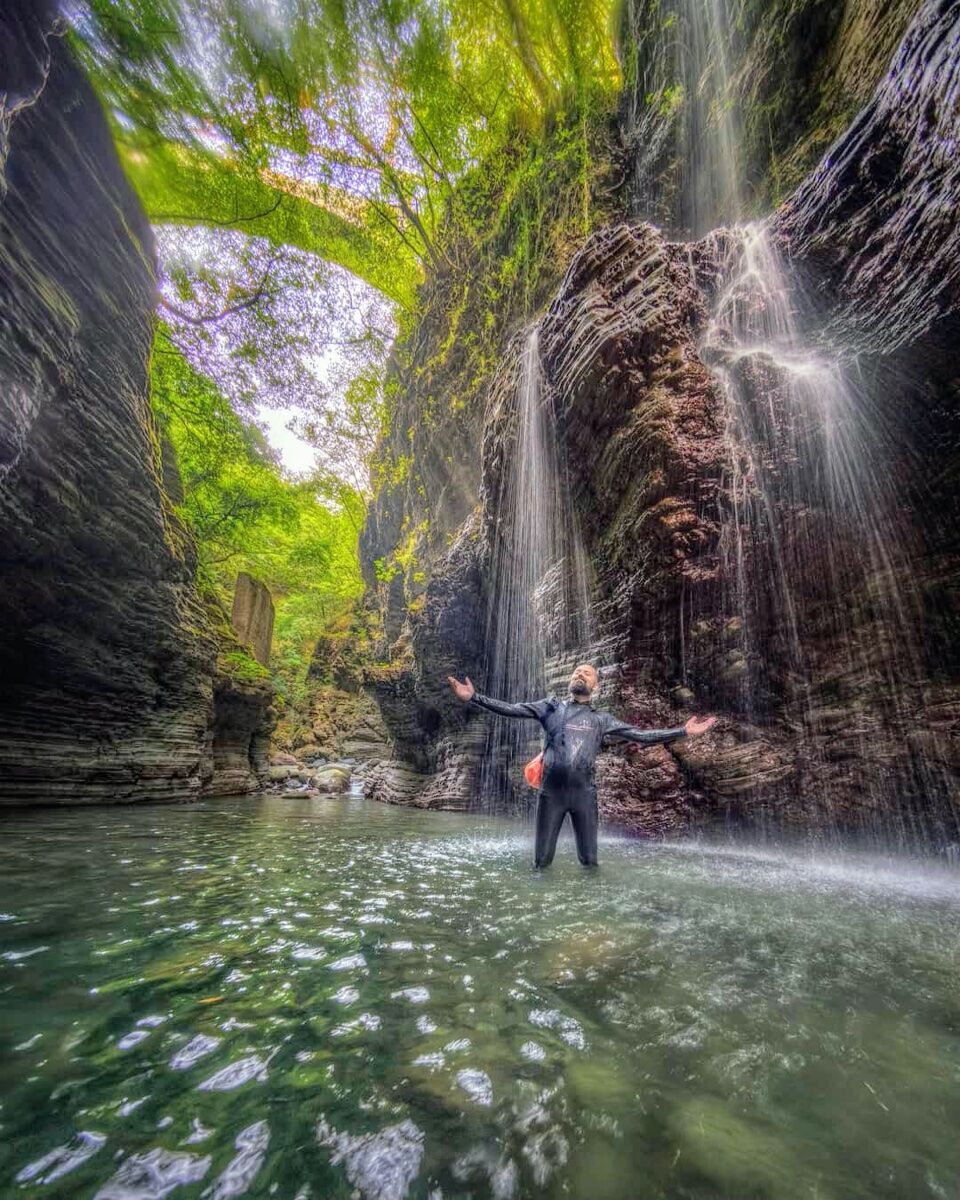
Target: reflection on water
{"type": "Point", "coordinates": [330, 998]}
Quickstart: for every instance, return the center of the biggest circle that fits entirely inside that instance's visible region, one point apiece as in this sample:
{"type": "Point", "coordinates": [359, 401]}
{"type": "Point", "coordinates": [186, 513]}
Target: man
{"type": "Point", "coordinates": [574, 733]}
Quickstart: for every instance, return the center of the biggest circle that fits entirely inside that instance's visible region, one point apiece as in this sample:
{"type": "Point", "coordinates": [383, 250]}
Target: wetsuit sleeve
{"type": "Point", "coordinates": [619, 731]}
{"type": "Point", "coordinates": [531, 710]}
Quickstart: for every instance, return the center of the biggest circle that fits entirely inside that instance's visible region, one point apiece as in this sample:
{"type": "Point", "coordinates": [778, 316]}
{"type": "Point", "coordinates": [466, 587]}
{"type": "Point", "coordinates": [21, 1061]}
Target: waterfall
{"type": "Point", "coordinates": [811, 521]}
{"type": "Point", "coordinates": [805, 455]}
{"type": "Point", "coordinates": [683, 110]}
{"type": "Point", "coordinates": [539, 606]}
{"type": "Point", "coordinates": [712, 185]}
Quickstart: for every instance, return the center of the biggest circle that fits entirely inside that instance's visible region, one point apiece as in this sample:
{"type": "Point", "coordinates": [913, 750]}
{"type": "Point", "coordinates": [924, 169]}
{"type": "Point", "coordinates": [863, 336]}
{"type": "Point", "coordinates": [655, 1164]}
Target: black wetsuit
{"type": "Point", "coordinates": [573, 736]}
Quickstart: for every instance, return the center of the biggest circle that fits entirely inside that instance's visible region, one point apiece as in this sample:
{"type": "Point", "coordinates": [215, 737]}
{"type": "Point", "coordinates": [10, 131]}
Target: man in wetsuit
{"type": "Point", "coordinates": [574, 733]}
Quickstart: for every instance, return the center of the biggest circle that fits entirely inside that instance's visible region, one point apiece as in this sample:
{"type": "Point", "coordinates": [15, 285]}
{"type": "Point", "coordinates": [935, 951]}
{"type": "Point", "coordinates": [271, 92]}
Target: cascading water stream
{"type": "Point", "coordinates": [811, 522]}
{"type": "Point", "coordinates": [687, 112]}
{"type": "Point", "coordinates": [800, 445]}
{"type": "Point", "coordinates": [539, 607]}
{"type": "Point", "coordinates": [713, 186]}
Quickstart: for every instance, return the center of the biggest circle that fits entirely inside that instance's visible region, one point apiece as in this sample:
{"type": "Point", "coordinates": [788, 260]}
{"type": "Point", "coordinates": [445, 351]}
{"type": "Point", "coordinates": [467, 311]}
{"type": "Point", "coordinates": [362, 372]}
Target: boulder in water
{"type": "Point", "coordinates": [280, 773]}
{"type": "Point", "coordinates": [332, 779]}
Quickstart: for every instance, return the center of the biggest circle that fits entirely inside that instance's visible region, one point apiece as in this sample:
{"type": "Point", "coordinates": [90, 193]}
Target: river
{"type": "Point", "coordinates": [330, 998]}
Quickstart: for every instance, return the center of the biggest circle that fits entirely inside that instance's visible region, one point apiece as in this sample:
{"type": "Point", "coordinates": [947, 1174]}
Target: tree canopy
{"type": "Point", "coordinates": [337, 126]}
{"type": "Point", "coordinates": [278, 329]}
{"type": "Point", "coordinates": [307, 164]}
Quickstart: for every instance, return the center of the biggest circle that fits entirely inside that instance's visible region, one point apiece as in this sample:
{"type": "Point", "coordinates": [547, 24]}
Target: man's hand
{"type": "Point", "coordinates": [698, 725]}
{"type": "Point", "coordinates": [463, 691]}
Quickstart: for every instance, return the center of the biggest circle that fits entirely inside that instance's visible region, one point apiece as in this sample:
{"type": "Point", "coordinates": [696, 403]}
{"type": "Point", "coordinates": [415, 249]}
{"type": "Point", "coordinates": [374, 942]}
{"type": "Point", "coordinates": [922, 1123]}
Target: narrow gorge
{"type": "Point", "coordinates": [118, 684]}
{"type": "Point", "coordinates": [350, 348]}
{"type": "Point", "coordinates": [711, 448]}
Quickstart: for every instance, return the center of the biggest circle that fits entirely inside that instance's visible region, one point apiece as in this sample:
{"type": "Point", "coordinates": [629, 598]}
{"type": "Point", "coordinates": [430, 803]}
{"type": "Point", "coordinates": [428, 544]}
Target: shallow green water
{"type": "Point", "coordinates": [332, 998]}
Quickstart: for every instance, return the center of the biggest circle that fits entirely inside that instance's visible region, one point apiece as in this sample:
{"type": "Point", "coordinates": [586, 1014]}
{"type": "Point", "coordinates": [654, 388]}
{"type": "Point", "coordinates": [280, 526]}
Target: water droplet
{"type": "Point", "coordinates": [134, 1038]}
{"type": "Point", "coordinates": [193, 1051]}
{"type": "Point", "coordinates": [352, 962]}
{"type": "Point", "coordinates": [198, 1133]}
{"type": "Point", "coordinates": [63, 1159]}
{"type": "Point", "coordinates": [416, 995]}
{"type": "Point", "coordinates": [17, 955]}
{"type": "Point", "coordinates": [153, 1175]}
{"type": "Point", "coordinates": [380, 1165]}
{"type": "Point", "coordinates": [239, 1173]}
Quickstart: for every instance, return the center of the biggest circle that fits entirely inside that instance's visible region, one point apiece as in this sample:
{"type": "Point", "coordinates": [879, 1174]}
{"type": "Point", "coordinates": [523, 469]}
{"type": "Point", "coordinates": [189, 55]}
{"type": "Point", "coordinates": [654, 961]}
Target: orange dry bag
{"type": "Point", "coordinates": [533, 771]}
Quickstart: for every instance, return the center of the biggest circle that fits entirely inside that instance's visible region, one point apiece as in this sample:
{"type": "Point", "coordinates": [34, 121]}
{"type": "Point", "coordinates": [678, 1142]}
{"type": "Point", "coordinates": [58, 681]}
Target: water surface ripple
{"type": "Point", "coordinates": [330, 998]}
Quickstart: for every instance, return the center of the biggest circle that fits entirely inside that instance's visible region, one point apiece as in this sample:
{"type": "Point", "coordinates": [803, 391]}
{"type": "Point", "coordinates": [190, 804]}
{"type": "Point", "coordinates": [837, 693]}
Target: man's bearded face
{"type": "Point", "coordinates": [584, 680]}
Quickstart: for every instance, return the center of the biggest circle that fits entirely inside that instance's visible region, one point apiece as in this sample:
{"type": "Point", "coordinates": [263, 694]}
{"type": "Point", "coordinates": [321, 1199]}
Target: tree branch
{"type": "Point", "coordinates": [194, 219]}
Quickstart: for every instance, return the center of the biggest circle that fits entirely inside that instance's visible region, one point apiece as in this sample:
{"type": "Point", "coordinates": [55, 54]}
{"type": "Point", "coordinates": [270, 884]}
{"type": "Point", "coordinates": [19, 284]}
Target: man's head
{"type": "Point", "coordinates": [583, 682]}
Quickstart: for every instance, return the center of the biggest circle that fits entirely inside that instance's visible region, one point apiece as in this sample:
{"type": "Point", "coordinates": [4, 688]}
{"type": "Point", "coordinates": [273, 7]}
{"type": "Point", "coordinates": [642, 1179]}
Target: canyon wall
{"type": "Point", "coordinates": [814, 610]}
{"type": "Point", "coordinates": [108, 652]}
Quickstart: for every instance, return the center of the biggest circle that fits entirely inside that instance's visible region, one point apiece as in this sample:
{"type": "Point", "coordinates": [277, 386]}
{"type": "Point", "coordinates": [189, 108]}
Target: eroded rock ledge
{"type": "Point", "coordinates": [108, 655]}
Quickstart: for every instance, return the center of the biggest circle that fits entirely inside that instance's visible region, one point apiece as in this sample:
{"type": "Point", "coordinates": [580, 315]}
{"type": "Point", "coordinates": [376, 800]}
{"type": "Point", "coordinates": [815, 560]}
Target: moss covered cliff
{"type": "Point", "coordinates": [785, 77]}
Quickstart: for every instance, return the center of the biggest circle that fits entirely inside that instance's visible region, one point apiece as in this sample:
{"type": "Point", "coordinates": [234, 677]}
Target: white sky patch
{"type": "Point", "coordinates": [297, 456]}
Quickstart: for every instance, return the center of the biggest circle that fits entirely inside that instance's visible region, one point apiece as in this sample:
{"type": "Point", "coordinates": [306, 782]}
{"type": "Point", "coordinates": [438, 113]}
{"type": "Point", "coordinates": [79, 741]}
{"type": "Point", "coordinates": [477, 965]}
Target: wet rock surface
{"type": "Point", "coordinates": [109, 656]}
{"type": "Point", "coordinates": [252, 616]}
{"type": "Point", "coordinates": [437, 747]}
{"type": "Point", "coordinates": [877, 217]}
{"type": "Point", "coordinates": [866, 733]}
{"type": "Point", "coordinates": [239, 736]}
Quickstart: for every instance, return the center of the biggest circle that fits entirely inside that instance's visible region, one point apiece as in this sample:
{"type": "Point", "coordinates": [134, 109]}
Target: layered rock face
{"type": "Point", "coordinates": [876, 221]}
{"type": "Point", "coordinates": [336, 719]}
{"type": "Point", "coordinates": [759, 432]}
{"type": "Point", "coordinates": [107, 654]}
{"type": "Point", "coordinates": [235, 755]}
{"type": "Point", "coordinates": [438, 748]}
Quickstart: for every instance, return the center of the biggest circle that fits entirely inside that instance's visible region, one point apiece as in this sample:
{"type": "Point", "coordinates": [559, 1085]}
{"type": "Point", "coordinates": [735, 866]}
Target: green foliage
{"type": "Point", "coordinates": [535, 203]}
{"type": "Point", "coordinates": [451, 155]}
{"type": "Point", "coordinates": [243, 666]}
{"type": "Point", "coordinates": [405, 555]}
{"type": "Point", "coordinates": [343, 127]}
{"type": "Point", "coordinates": [298, 536]}
{"type": "Point", "coordinates": [279, 329]}
{"type": "Point", "coordinates": [231, 479]}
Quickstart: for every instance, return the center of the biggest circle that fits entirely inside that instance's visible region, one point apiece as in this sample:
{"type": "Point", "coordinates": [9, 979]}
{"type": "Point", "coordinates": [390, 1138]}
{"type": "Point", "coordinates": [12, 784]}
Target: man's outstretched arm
{"type": "Point", "coordinates": [620, 731]}
{"type": "Point", "coordinates": [526, 709]}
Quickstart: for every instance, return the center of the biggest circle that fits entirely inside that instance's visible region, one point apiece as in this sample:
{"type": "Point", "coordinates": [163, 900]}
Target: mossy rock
{"type": "Point", "coordinates": [739, 1157]}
